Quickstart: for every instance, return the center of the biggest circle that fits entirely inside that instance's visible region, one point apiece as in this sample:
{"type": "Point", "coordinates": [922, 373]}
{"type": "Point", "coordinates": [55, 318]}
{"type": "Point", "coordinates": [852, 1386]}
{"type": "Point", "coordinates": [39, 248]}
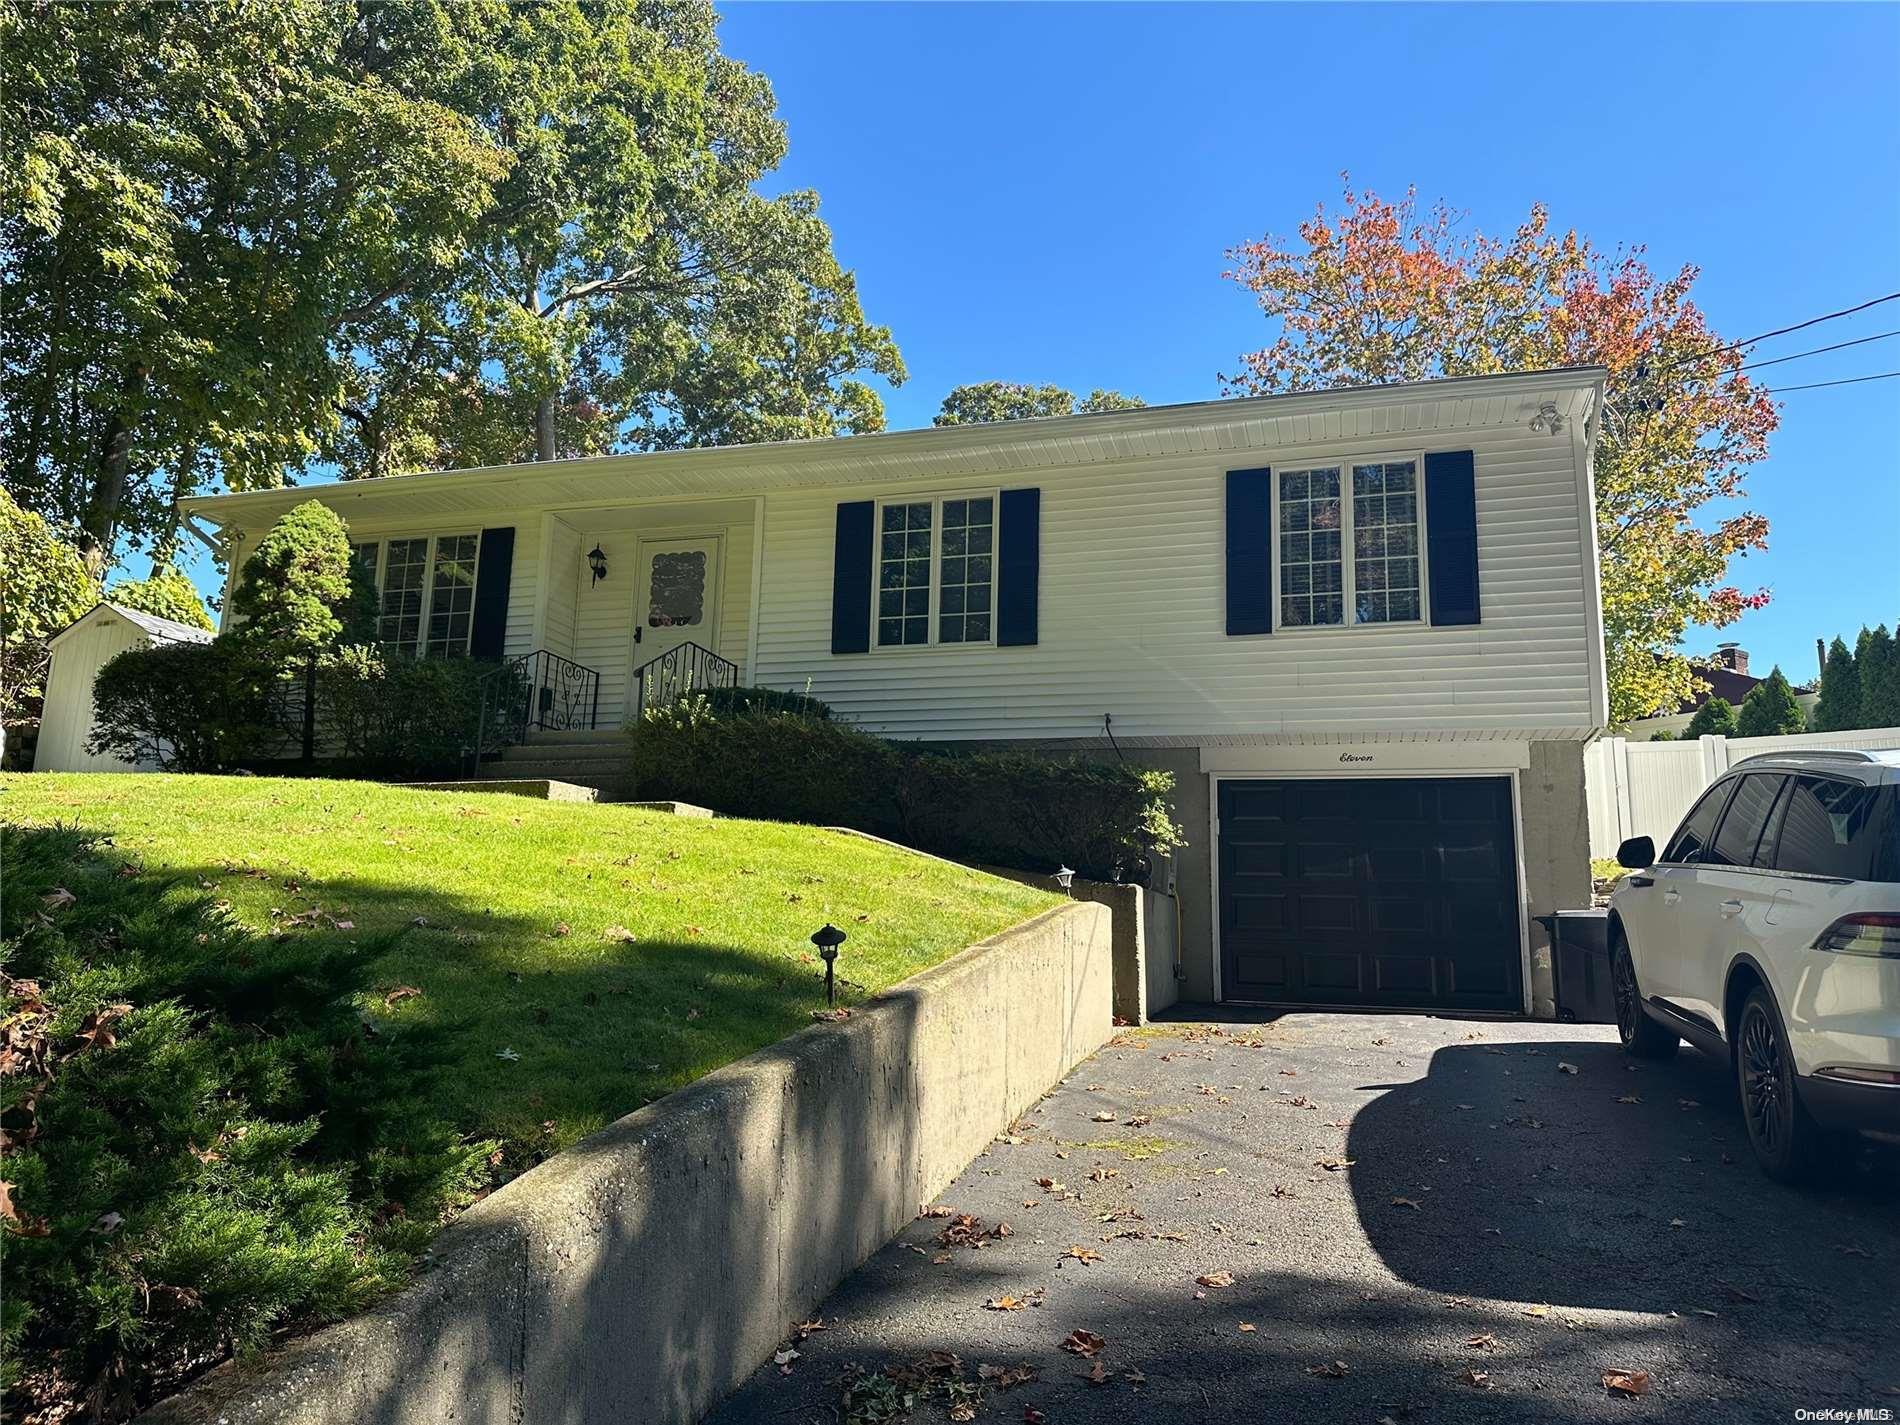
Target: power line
{"type": "Point", "coordinates": [1838, 346]}
{"type": "Point", "coordinates": [1782, 331]}
{"type": "Point", "coordinates": [1817, 385]}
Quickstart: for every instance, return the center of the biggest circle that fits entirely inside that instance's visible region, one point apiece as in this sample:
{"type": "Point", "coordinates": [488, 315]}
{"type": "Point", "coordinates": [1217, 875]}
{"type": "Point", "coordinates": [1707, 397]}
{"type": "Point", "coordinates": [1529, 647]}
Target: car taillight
{"type": "Point", "coordinates": [1874, 932]}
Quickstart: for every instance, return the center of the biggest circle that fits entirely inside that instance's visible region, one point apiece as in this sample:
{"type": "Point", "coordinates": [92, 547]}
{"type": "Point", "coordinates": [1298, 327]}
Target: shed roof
{"type": "Point", "coordinates": [163, 630]}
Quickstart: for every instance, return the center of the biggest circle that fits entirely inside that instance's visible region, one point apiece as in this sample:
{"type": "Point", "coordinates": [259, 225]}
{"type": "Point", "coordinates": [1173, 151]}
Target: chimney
{"type": "Point", "coordinates": [1820, 656]}
{"type": "Point", "coordinates": [1732, 656]}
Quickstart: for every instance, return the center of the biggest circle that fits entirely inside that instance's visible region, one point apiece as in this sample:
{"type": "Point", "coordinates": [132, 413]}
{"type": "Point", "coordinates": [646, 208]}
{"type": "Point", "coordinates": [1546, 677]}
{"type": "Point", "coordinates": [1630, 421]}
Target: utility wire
{"type": "Point", "coordinates": [1838, 346]}
{"type": "Point", "coordinates": [1780, 331]}
{"type": "Point", "coordinates": [1817, 385]}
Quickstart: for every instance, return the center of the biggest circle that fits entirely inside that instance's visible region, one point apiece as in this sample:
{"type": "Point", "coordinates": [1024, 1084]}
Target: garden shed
{"type": "Point", "coordinates": [79, 651]}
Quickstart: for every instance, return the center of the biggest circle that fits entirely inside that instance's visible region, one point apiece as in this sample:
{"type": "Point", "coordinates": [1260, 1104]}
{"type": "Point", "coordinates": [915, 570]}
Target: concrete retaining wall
{"type": "Point", "coordinates": [642, 1274]}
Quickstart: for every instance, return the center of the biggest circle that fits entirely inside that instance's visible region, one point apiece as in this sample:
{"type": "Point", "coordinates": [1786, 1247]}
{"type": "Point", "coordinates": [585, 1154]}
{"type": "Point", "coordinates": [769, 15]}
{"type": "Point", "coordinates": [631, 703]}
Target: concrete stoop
{"type": "Point", "coordinates": [595, 759]}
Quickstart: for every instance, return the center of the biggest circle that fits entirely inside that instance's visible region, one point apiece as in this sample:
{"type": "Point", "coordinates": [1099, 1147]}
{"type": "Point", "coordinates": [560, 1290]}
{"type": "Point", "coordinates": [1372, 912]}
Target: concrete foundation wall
{"type": "Point", "coordinates": [642, 1274]}
{"type": "Point", "coordinates": [1556, 829]}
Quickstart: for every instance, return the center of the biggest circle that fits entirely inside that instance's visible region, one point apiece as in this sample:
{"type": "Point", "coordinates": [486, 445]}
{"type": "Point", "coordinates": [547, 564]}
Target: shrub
{"type": "Point", "coordinates": [301, 591]}
{"type": "Point", "coordinates": [184, 707]}
{"type": "Point", "coordinates": [43, 587]}
{"type": "Point", "coordinates": [726, 701]}
{"type": "Point", "coordinates": [207, 1146]}
{"type": "Point", "coordinates": [399, 716]}
{"type": "Point", "coordinates": [1770, 709]}
{"type": "Point", "coordinates": [1014, 809]}
{"type": "Point", "coordinates": [1714, 718]}
{"type": "Point", "coordinates": [165, 593]}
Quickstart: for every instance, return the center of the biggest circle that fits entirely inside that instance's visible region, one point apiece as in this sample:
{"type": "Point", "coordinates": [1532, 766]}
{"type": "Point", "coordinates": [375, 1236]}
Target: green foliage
{"type": "Point", "coordinates": [1878, 655]}
{"type": "Point", "coordinates": [299, 587]}
{"type": "Point", "coordinates": [244, 239]}
{"type": "Point", "coordinates": [1770, 709]}
{"type": "Point", "coordinates": [208, 1146]}
{"type": "Point", "coordinates": [985, 402]}
{"type": "Point", "coordinates": [1664, 736]}
{"type": "Point", "coordinates": [43, 587]}
{"type": "Point", "coordinates": [166, 592]}
{"type": "Point", "coordinates": [1000, 808]}
{"type": "Point", "coordinates": [399, 716]}
{"type": "Point", "coordinates": [185, 707]}
{"type": "Point", "coordinates": [726, 701]}
{"type": "Point", "coordinates": [1715, 718]}
{"type": "Point", "coordinates": [1839, 707]}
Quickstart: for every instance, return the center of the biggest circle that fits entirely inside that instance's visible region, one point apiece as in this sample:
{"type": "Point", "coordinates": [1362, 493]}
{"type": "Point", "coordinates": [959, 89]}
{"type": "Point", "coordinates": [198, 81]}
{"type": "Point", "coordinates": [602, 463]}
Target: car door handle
{"type": "Point", "coordinates": [1731, 907]}
{"type": "Point", "coordinates": [1641, 881]}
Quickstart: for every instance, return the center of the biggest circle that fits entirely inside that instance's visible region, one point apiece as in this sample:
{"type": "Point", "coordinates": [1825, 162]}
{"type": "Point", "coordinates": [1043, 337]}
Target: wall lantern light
{"type": "Point", "coordinates": [828, 938]}
{"type": "Point", "coordinates": [1064, 878]}
{"type": "Point", "coordinates": [597, 561]}
{"type": "Point", "coordinates": [1548, 419]}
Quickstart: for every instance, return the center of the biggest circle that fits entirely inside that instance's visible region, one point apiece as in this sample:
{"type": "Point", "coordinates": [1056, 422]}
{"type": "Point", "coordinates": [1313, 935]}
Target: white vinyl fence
{"type": "Point", "coordinates": [1643, 788]}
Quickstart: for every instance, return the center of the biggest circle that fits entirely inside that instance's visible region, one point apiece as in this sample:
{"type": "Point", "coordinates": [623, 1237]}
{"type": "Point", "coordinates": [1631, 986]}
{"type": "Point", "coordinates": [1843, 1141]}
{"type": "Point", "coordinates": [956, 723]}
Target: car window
{"type": "Point", "coordinates": [1696, 829]}
{"type": "Point", "coordinates": [1742, 824]}
{"type": "Point", "coordinates": [1831, 828]}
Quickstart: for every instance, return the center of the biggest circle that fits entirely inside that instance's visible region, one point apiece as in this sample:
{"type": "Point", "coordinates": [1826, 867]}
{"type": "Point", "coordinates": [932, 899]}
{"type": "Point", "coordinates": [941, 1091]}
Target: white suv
{"type": "Point", "coordinates": [1768, 933]}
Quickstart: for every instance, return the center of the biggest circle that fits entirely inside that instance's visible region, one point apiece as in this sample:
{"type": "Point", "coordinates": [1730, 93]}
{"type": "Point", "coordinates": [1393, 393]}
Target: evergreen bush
{"type": "Point", "coordinates": [185, 707]}
{"type": "Point", "coordinates": [205, 1144]}
{"type": "Point", "coordinates": [1016, 809]}
{"type": "Point", "coordinates": [1770, 709]}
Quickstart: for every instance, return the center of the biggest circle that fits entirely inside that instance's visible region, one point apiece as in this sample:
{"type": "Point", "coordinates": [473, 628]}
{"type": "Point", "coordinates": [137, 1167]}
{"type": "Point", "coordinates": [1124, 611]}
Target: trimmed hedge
{"type": "Point", "coordinates": [727, 701]}
{"type": "Point", "coordinates": [184, 707]}
{"type": "Point", "coordinates": [1015, 809]}
{"type": "Point", "coordinates": [399, 716]}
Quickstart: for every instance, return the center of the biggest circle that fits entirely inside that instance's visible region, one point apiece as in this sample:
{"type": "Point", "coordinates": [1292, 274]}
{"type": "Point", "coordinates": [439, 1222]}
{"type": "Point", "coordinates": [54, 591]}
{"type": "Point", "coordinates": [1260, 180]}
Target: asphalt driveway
{"type": "Point", "coordinates": [1422, 1219]}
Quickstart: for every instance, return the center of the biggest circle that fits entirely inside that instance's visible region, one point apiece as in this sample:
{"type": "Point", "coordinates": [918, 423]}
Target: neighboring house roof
{"type": "Point", "coordinates": [1723, 683]}
{"type": "Point", "coordinates": [1410, 412]}
{"type": "Point", "coordinates": [162, 630]}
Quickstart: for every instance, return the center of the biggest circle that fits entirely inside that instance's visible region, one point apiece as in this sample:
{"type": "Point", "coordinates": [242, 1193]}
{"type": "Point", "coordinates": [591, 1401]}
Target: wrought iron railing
{"type": "Point", "coordinates": [539, 691]}
{"type": "Point", "coordinates": [686, 668]}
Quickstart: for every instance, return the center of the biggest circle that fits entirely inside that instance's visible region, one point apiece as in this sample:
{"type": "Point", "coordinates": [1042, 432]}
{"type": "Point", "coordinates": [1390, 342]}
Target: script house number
{"type": "Point", "coordinates": [1355, 757]}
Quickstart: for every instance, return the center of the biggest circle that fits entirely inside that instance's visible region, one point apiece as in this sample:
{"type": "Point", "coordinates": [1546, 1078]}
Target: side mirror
{"type": "Point", "coordinates": [1636, 853]}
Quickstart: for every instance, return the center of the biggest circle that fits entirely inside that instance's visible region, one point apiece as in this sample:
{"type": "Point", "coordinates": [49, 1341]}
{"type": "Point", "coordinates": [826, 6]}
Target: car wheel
{"type": "Point", "coordinates": [1643, 1037]}
{"type": "Point", "coordinates": [1788, 1144]}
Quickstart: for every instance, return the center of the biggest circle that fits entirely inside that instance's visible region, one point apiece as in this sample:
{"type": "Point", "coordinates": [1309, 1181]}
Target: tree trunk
{"type": "Point", "coordinates": [310, 710]}
{"type": "Point", "coordinates": [101, 524]}
{"type": "Point", "coordinates": [544, 428]}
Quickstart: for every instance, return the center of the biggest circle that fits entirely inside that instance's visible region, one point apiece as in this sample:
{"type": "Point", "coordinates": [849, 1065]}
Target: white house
{"type": "Point", "coordinates": [1361, 626]}
{"type": "Point", "coordinates": [79, 651]}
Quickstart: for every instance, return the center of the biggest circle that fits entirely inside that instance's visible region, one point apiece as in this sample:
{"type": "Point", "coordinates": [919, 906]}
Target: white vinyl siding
{"type": "Point", "coordinates": [1132, 616]}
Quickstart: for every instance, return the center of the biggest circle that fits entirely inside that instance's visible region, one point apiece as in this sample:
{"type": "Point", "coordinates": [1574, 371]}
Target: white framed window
{"type": "Point", "coordinates": [1351, 546]}
{"type": "Point", "coordinates": [936, 571]}
{"type": "Point", "coordinates": [425, 592]}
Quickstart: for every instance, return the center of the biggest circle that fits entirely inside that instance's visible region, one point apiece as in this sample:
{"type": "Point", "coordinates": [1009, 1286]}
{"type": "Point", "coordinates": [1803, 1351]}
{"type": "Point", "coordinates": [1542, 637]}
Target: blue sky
{"type": "Point", "coordinates": [1045, 193]}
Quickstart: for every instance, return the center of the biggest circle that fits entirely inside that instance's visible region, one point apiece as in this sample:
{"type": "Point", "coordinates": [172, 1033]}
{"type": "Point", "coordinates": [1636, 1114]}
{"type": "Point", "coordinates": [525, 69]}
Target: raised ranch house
{"type": "Point", "coordinates": [1361, 627]}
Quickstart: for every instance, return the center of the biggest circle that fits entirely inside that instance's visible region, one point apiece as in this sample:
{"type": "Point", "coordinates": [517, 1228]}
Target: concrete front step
{"type": "Point", "coordinates": [587, 752]}
{"type": "Point", "coordinates": [577, 736]}
{"type": "Point", "coordinates": [566, 769]}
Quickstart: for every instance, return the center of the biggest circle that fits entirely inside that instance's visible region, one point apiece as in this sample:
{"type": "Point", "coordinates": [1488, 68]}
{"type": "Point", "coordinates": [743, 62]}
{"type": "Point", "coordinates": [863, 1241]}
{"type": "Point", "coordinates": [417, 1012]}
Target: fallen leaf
{"type": "Point", "coordinates": [108, 1223]}
{"type": "Point", "coordinates": [1102, 1117]}
{"type": "Point", "coordinates": [1007, 1377]}
{"type": "Point", "coordinates": [1083, 1343]}
{"type": "Point", "coordinates": [511, 1057]}
{"type": "Point", "coordinates": [1220, 1278]}
{"type": "Point", "coordinates": [783, 1359]}
{"type": "Point", "coordinates": [1619, 1381]}
{"type": "Point", "coordinates": [1033, 1416]}
{"type": "Point", "coordinates": [1482, 1342]}
{"type": "Point", "coordinates": [561, 927]}
{"type": "Point", "coordinates": [1334, 1165]}
{"type": "Point", "coordinates": [1476, 1379]}
{"type": "Point", "coordinates": [1082, 1254]}
{"type": "Point", "coordinates": [803, 1329]}
{"type": "Point", "coordinates": [618, 932]}
{"type": "Point", "coordinates": [1134, 1378]}
{"type": "Point", "coordinates": [1628, 1098]}
{"type": "Point", "coordinates": [1405, 1202]}
{"type": "Point", "coordinates": [938, 1211]}
{"type": "Point", "coordinates": [58, 898]}
{"type": "Point", "coordinates": [1248, 1327]}
{"type": "Point", "coordinates": [401, 993]}
{"type": "Point", "coordinates": [1004, 1303]}
{"type": "Point", "coordinates": [1336, 1370]}
{"type": "Point", "coordinates": [1564, 1068]}
{"type": "Point", "coordinates": [1100, 1174]}
{"type": "Point", "coordinates": [963, 1410]}
{"type": "Point", "coordinates": [1097, 1373]}
{"type": "Point", "coordinates": [1537, 1311]}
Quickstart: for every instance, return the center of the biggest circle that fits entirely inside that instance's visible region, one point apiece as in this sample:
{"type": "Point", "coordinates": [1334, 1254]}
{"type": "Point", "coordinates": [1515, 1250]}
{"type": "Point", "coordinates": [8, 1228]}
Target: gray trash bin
{"type": "Point", "coordinates": [1580, 964]}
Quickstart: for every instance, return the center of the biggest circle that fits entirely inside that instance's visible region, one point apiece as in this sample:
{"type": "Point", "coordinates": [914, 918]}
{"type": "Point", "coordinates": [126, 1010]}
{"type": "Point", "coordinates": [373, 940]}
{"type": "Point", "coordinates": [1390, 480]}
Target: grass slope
{"type": "Point", "coordinates": [618, 953]}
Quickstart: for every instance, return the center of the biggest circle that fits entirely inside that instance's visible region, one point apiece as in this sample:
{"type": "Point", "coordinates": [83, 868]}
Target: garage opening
{"type": "Point", "coordinates": [1375, 892]}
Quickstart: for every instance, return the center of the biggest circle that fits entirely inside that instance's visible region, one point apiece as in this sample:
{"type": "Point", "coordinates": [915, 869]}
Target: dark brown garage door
{"type": "Point", "coordinates": [1371, 891]}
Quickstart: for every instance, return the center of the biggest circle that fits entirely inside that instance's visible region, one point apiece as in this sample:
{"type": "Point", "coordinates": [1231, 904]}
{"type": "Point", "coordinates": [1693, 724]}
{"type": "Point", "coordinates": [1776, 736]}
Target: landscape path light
{"type": "Point", "coordinates": [828, 938]}
{"type": "Point", "coordinates": [1064, 877]}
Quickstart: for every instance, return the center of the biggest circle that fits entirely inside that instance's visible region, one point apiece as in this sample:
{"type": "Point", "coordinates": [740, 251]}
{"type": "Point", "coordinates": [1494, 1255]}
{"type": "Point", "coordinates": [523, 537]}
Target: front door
{"type": "Point", "coordinates": [677, 602]}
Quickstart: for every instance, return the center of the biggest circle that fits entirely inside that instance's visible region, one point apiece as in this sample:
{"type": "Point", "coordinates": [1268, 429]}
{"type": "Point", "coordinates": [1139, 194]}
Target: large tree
{"type": "Point", "coordinates": [1389, 291]}
{"type": "Point", "coordinates": [241, 239]}
{"type": "Point", "coordinates": [983, 402]}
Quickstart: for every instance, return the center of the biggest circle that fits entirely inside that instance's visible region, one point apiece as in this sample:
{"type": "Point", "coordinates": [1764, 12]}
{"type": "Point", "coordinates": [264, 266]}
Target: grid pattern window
{"type": "Point", "coordinates": [1312, 571]}
{"type": "Point", "coordinates": [452, 595]}
{"type": "Point", "coordinates": [404, 574]}
{"type": "Point", "coordinates": [966, 581]}
{"type": "Point", "coordinates": [903, 574]}
{"type": "Point", "coordinates": [1385, 542]}
{"type": "Point", "coordinates": [366, 554]}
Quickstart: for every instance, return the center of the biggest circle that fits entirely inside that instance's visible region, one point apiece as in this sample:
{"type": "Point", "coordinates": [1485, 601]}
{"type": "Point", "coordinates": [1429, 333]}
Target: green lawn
{"type": "Point", "coordinates": [583, 959]}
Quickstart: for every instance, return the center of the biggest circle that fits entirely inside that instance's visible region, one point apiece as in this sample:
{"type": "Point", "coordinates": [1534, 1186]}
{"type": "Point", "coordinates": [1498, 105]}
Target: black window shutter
{"type": "Point", "coordinates": [494, 565]}
{"type": "Point", "coordinates": [1451, 536]}
{"type": "Point", "coordinates": [1249, 551]}
{"type": "Point", "coordinates": [1018, 566]}
{"type": "Point", "coordinates": [851, 577]}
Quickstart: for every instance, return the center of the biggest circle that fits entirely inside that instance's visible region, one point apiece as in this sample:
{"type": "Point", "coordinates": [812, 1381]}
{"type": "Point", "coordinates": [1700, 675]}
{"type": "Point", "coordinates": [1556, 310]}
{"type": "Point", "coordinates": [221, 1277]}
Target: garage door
{"type": "Point", "coordinates": [1372, 891]}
